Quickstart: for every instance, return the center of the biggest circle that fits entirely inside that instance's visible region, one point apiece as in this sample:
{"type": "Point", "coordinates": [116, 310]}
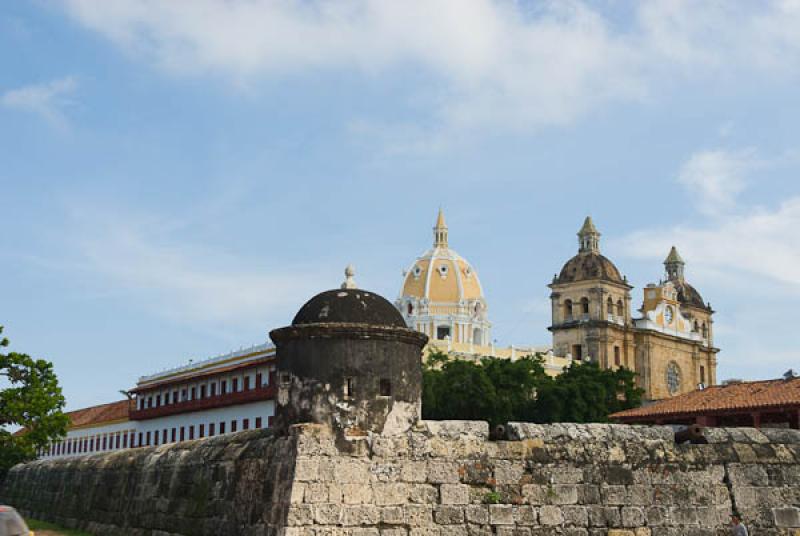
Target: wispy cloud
{"type": "Point", "coordinates": [730, 245]}
{"type": "Point", "coordinates": [495, 63]}
{"type": "Point", "coordinates": [715, 178]}
{"type": "Point", "coordinates": [45, 100]}
{"type": "Point", "coordinates": [147, 260]}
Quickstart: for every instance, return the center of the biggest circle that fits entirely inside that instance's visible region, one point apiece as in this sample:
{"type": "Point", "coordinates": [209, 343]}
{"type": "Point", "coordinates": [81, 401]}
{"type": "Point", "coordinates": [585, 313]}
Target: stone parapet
{"type": "Point", "coordinates": [440, 478]}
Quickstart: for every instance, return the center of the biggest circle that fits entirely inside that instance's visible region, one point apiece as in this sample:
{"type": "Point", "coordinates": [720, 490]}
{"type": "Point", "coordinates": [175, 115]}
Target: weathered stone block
{"type": "Point", "coordinates": [392, 515]}
{"type": "Point", "coordinates": [348, 471]}
{"type": "Point", "coordinates": [613, 495]}
{"type": "Point", "coordinates": [301, 514]}
{"type": "Point", "coordinates": [448, 515]}
{"type": "Point", "coordinates": [501, 514]}
{"type": "Point", "coordinates": [418, 514]}
{"type": "Point", "coordinates": [632, 516]}
{"type": "Point", "coordinates": [562, 494]}
{"type": "Point", "coordinates": [507, 472]}
{"type": "Point", "coordinates": [577, 516]}
{"type": "Point", "coordinates": [306, 469]}
{"type": "Point", "coordinates": [390, 493]}
{"type": "Point", "coordinates": [422, 493]}
{"type": "Point", "coordinates": [524, 515]}
{"type": "Point", "coordinates": [413, 471]}
{"type": "Point", "coordinates": [443, 472]}
{"type": "Point", "coordinates": [550, 515]}
{"type": "Point", "coordinates": [478, 514]}
{"type": "Point", "coordinates": [356, 493]}
{"type": "Point", "coordinates": [327, 514]}
{"type": "Point", "coordinates": [360, 515]}
{"type": "Point", "coordinates": [454, 493]}
{"type": "Point", "coordinates": [786, 517]}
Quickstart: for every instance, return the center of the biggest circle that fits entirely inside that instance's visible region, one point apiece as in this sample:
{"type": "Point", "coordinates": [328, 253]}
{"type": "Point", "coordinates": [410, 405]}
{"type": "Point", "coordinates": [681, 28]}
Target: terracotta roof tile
{"type": "Point", "coordinates": [100, 414]}
{"type": "Point", "coordinates": [738, 396]}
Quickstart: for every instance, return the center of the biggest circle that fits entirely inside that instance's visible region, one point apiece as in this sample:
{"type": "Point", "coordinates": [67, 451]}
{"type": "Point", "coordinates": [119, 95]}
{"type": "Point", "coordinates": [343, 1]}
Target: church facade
{"type": "Point", "coordinates": [669, 345]}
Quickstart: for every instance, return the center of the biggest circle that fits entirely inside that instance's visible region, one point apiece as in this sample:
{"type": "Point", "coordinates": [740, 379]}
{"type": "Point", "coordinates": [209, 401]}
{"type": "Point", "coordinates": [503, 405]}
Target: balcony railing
{"type": "Point", "coordinates": [266, 392]}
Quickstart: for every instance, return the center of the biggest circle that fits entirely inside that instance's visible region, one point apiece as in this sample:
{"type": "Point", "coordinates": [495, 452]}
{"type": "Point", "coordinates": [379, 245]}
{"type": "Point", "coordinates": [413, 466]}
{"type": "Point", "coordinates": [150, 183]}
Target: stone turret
{"type": "Point", "coordinates": [349, 361]}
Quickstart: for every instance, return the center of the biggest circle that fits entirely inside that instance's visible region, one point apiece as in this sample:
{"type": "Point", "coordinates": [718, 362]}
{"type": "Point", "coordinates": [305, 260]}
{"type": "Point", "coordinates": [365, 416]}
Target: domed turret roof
{"type": "Point", "coordinates": [440, 274]}
{"type": "Point", "coordinates": [349, 305]}
{"type": "Point", "coordinates": [589, 263]}
{"type": "Point", "coordinates": [688, 295]}
{"type": "Point", "coordinates": [584, 266]}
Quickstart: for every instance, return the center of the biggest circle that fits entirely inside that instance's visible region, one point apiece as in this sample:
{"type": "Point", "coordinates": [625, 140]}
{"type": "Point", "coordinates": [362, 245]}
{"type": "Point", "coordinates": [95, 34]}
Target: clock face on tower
{"type": "Point", "coordinates": [668, 314]}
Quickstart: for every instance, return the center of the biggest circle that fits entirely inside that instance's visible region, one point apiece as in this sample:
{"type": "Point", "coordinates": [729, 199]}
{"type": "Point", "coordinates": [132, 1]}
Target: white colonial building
{"type": "Point", "coordinates": [220, 395]}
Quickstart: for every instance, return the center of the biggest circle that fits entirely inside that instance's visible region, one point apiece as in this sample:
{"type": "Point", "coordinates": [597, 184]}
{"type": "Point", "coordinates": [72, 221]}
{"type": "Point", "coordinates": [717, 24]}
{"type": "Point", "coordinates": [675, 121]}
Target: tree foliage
{"type": "Point", "coordinates": [501, 390]}
{"type": "Point", "coordinates": [31, 399]}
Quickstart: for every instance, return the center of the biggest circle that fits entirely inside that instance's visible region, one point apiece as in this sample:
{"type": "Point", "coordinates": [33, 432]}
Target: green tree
{"type": "Point", "coordinates": [501, 390]}
{"type": "Point", "coordinates": [586, 393]}
{"type": "Point", "coordinates": [31, 399]}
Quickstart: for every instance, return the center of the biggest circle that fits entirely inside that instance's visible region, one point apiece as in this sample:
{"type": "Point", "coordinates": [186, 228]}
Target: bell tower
{"type": "Point", "coordinates": [591, 307]}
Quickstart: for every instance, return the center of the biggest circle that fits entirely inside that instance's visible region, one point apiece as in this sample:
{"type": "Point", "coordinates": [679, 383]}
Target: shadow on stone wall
{"type": "Point", "coordinates": [441, 478]}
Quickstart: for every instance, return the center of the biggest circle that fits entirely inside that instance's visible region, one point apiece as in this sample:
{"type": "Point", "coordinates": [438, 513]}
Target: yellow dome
{"type": "Point", "coordinates": [442, 296]}
{"type": "Point", "coordinates": [441, 275]}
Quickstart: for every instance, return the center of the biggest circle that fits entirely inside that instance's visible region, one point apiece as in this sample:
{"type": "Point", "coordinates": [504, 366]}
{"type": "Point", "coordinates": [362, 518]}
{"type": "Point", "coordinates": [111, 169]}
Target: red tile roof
{"type": "Point", "coordinates": [114, 411]}
{"type": "Point", "coordinates": [742, 396]}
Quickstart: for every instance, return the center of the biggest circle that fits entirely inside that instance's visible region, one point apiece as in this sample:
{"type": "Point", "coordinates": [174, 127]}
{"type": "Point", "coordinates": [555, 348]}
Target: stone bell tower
{"type": "Point", "coordinates": [349, 361]}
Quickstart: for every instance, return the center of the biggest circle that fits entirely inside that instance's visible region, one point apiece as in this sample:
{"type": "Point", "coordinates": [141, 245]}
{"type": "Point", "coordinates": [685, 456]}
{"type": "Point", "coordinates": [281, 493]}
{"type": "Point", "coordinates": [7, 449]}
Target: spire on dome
{"type": "Point", "coordinates": [674, 265]}
{"type": "Point", "coordinates": [349, 282]}
{"type": "Point", "coordinates": [589, 237]}
{"type": "Point", "coordinates": [440, 231]}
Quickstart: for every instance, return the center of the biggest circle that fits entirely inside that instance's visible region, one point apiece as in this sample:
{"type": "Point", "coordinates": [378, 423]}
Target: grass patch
{"type": "Point", "coordinates": [35, 524]}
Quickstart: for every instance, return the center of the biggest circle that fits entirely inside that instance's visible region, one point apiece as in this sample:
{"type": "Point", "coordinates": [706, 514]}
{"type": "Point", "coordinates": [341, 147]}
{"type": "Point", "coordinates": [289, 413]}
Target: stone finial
{"type": "Point", "coordinates": [674, 265]}
{"type": "Point", "coordinates": [589, 237]}
{"type": "Point", "coordinates": [349, 282]}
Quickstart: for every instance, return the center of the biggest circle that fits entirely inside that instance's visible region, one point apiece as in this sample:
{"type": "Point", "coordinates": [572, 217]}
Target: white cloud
{"type": "Point", "coordinates": [491, 62]}
{"type": "Point", "coordinates": [146, 260]}
{"type": "Point", "coordinates": [758, 242]}
{"type": "Point", "coordinates": [714, 178]}
{"type": "Point", "coordinates": [751, 253]}
{"type": "Point", "coordinates": [45, 99]}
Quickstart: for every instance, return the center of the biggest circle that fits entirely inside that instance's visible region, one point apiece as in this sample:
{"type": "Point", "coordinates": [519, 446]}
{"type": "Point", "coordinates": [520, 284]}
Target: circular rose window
{"type": "Point", "coordinates": [673, 377]}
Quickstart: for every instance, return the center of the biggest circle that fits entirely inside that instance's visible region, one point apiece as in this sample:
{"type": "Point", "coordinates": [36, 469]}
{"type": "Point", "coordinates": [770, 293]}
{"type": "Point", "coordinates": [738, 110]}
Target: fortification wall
{"type": "Point", "coordinates": [236, 484]}
{"type": "Point", "coordinates": [441, 478]}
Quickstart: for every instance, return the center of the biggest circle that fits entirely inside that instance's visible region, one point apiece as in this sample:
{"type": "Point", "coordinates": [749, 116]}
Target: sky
{"type": "Point", "coordinates": [178, 178]}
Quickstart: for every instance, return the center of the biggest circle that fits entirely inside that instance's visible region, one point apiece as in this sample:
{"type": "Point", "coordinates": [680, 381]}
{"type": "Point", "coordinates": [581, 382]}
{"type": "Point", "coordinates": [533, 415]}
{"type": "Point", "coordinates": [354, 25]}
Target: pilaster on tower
{"type": "Point", "coordinates": [440, 232]}
{"type": "Point", "coordinates": [589, 237]}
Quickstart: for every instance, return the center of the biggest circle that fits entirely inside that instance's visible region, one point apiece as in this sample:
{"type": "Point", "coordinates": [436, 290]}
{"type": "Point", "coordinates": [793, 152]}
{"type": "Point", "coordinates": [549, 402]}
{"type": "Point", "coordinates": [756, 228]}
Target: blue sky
{"type": "Point", "coordinates": [178, 178]}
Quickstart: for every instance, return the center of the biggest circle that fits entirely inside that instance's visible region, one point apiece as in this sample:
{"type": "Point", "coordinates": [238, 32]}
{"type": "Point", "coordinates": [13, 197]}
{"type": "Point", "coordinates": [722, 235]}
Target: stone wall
{"type": "Point", "coordinates": [227, 485]}
{"type": "Point", "coordinates": [440, 479]}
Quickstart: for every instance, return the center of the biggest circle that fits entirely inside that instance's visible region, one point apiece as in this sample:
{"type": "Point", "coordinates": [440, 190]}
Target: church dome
{"type": "Point", "coordinates": [440, 275]}
{"type": "Point", "coordinates": [591, 265]}
{"type": "Point", "coordinates": [688, 295]}
{"type": "Point", "coordinates": [351, 306]}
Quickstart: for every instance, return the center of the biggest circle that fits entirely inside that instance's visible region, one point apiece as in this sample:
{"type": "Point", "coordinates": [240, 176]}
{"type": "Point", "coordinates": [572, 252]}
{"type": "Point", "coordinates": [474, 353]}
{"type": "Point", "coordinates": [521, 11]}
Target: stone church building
{"type": "Point", "coordinates": [669, 345]}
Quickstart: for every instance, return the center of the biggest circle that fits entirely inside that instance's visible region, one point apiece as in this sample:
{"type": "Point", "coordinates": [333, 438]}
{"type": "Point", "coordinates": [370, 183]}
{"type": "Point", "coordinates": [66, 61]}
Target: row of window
{"type": "Point", "coordinates": [570, 308]}
{"type": "Point", "coordinates": [183, 394]}
{"type": "Point", "coordinates": [118, 440]}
